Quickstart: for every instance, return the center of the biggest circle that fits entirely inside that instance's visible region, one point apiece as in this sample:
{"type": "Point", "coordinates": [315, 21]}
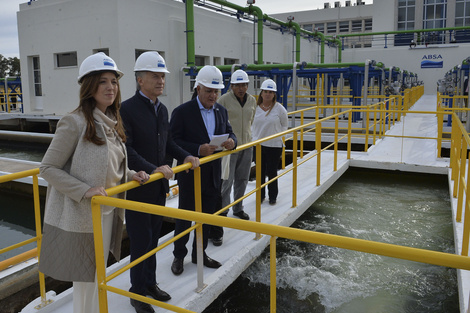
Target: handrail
{"type": "Point", "coordinates": [460, 144]}
{"type": "Point", "coordinates": [383, 114]}
{"type": "Point", "coordinates": [385, 249]}
{"type": "Point", "coordinates": [420, 255]}
{"type": "Point", "coordinates": [37, 217]}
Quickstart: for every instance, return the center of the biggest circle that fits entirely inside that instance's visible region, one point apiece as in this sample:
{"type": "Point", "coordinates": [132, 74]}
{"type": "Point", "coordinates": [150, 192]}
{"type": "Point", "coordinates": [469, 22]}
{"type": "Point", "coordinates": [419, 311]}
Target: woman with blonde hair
{"type": "Point", "coordinates": [270, 118]}
{"type": "Point", "coordinates": [86, 156]}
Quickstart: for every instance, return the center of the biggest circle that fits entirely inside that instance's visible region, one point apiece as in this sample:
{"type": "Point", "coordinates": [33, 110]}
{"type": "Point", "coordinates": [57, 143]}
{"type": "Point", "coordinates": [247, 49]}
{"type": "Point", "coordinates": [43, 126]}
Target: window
{"type": "Point", "coordinates": [406, 14]}
{"type": "Point", "coordinates": [228, 61]}
{"type": "Point", "coordinates": [462, 13]}
{"type": "Point", "coordinates": [308, 27]}
{"type": "Point", "coordinates": [368, 24]}
{"type": "Point", "coordinates": [200, 61]}
{"type": "Point", "coordinates": [66, 59]}
{"type": "Point", "coordinates": [104, 50]}
{"type": "Point", "coordinates": [320, 27]}
{"type": "Point", "coordinates": [331, 27]}
{"type": "Point", "coordinates": [344, 27]}
{"type": "Point", "coordinates": [356, 25]}
{"type": "Point", "coordinates": [37, 76]}
{"type": "Point", "coordinates": [406, 21]}
{"type": "Point", "coordinates": [434, 14]}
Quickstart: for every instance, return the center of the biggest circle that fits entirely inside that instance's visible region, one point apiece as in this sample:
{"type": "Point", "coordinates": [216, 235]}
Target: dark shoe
{"type": "Point", "coordinates": [272, 201]}
{"type": "Point", "coordinates": [217, 241]}
{"type": "Point", "coordinates": [242, 215]}
{"type": "Point", "coordinates": [177, 266]}
{"type": "Point", "coordinates": [208, 262]}
{"type": "Point", "coordinates": [142, 307]}
{"type": "Point", "coordinates": [158, 294]}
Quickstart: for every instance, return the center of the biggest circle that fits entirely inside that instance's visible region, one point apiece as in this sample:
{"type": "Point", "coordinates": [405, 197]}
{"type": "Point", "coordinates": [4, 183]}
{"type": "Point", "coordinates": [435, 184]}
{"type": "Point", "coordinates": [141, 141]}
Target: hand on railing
{"type": "Point", "coordinates": [95, 191]}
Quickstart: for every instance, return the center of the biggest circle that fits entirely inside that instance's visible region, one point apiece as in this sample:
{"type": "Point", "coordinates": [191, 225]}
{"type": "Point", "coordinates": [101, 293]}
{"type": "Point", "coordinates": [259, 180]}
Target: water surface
{"type": "Point", "coordinates": [392, 207]}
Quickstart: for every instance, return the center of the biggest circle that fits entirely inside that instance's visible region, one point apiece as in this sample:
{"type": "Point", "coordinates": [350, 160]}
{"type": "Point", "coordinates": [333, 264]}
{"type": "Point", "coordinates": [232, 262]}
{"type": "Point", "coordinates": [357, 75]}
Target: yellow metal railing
{"type": "Point", "coordinates": [275, 231]}
{"type": "Point", "coordinates": [460, 172]}
{"type": "Point", "coordinates": [37, 217]}
{"type": "Point", "coordinates": [10, 101]}
{"type": "Point", "coordinates": [385, 112]}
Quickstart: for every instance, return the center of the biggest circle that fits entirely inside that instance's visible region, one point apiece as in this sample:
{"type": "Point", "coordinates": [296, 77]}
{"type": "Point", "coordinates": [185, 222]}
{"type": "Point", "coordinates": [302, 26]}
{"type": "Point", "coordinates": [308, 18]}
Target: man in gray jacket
{"type": "Point", "coordinates": [241, 108]}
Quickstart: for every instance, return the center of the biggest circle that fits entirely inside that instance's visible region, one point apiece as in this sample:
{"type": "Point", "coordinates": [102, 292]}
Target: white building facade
{"type": "Point", "coordinates": [446, 49]}
{"type": "Point", "coordinates": [55, 36]}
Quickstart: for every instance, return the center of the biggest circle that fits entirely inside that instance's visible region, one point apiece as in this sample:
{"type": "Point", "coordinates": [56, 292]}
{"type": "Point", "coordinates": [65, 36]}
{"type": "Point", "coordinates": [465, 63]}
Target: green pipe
{"type": "Point", "coordinates": [259, 15]}
{"type": "Point", "coordinates": [315, 34]}
{"type": "Point", "coordinates": [254, 10]}
{"type": "Point", "coordinates": [407, 31]}
{"type": "Point", "coordinates": [250, 10]}
{"type": "Point", "coordinates": [296, 26]}
{"type": "Point", "coordinates": [190, 45]}
{"type": "Point", "coordinates": [340, 49]}
{"type": "Point", "coordinates": [288, 66]}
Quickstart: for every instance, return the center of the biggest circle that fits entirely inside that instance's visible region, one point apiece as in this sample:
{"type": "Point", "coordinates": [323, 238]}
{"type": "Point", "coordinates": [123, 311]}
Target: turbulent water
{"type": "Point", "coordinates": [391, 207]}
{"type": "Point", "coordinates": [22, 151]}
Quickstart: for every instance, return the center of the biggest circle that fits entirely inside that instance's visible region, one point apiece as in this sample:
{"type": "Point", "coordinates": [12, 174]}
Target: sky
{"type": "Point", "coordinates": [9, 30]}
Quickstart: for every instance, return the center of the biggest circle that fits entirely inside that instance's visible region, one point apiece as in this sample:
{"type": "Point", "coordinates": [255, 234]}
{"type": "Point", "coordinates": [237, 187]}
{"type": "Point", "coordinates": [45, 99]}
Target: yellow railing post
{"type": "Point", "coordinates": [258, 187]}
{"type": "Point", "coordinates": [462, 172]}
{"type": "Point", "coordinates": [349, 133]}
{"type": "Point", "coordinates": [199, 232]}
{"type": "Point", "coordinates": [335, 161]}
{"type": "Point", "coordinates": [294, 170]}
{"type": "Point", "coordinates": [466, 224]}
{"type": "Point", "coordinates": [366, 140]}
{"type": "Point", "coordinates": [302, 135]}
{"type": "Point", "coordinates": [440, 126]}
{"type": "Point", "coordinates": [318, 148]}
{"type": "Point", "coordinates": [283, 153]}
{"type": "Point", "coordinates": [37, 220]}
{"type": "Point", "coordinates": [374, 129]}
{"type": "Point", "coordinates": [99, 255]}
{"type": "Point", "coordinates": [273, 283]}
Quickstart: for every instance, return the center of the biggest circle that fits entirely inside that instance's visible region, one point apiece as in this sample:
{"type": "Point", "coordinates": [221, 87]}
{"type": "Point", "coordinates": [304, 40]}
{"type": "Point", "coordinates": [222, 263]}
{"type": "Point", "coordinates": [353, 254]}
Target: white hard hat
{"type": "Point", "coordinates": [239, 77]}
{"type": "Point", "coordinates": [210, 77]}
{"type": "Point", "coordinates": [95, 63]}
{"type": "Point", "coordinates": [150, 61]}
{"type": "Point", "coordinates": [269, 84]}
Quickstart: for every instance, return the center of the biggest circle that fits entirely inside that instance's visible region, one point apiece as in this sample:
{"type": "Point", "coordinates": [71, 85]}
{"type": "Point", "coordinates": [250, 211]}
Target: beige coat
{"type": "Point", "coordinates": [71, 166]}
{"type": "Point", "coordinates": [240, 117]}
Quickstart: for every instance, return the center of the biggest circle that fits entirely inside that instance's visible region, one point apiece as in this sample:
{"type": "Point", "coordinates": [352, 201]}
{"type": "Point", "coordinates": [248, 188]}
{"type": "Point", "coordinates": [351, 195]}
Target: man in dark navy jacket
{"type": "Point", "coordinates": [147, 128]}
{"type": "Point", "coordinates": [193, 124]}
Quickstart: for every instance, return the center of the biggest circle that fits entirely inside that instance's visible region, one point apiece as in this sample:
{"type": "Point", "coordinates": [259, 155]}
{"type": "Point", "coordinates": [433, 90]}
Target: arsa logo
{"type": "Point", "coordinates": [432, 57]}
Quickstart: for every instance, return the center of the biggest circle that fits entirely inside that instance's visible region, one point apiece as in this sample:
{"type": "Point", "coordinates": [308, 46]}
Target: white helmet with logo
{"type": "Point", "coordinates": [210, 77]}
{"type": "Point", "coordinates": [96, 63]}
{"type": "Point", "coordinates": [239, 77]}
{"type": "Point", "coordinates": [150, 61]}
{"type": "Point", "coordinates": [269, 84]}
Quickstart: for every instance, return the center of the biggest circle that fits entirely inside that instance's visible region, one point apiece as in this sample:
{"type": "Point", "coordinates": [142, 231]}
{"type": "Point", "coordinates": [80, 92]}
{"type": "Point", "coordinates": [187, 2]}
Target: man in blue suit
{"type": "Point", "coordinates": [193, 124]}
{"type": "Point", "coordinates": [148, 141]}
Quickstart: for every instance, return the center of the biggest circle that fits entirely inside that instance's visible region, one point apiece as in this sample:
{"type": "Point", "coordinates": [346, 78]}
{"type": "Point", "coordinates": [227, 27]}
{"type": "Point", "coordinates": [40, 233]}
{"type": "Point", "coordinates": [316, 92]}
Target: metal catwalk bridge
{"type": "Point", "coordinates": [240, 248]}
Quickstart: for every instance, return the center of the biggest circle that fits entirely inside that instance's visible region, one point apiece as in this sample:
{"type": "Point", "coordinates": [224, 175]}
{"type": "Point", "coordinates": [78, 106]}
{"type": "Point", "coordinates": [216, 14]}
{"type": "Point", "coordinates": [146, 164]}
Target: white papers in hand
{"type": "Point", "coordinates": [217, 140]}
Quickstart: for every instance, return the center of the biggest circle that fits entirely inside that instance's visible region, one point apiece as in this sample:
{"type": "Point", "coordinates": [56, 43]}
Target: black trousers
{"type": "Point", "coordinates": [144, 231]}
{"type": "Point", "coordinates": [211, 202]}
{"type": "Point", "coordinates": [270, 157]}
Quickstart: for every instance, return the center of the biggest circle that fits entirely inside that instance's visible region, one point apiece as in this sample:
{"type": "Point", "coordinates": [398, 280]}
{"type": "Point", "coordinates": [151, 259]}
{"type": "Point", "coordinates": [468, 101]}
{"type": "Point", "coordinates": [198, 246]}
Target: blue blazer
{"type": "Point", "coordinates": [189, 132]}
{"type": "Point", "coordinates": [148, 143]}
